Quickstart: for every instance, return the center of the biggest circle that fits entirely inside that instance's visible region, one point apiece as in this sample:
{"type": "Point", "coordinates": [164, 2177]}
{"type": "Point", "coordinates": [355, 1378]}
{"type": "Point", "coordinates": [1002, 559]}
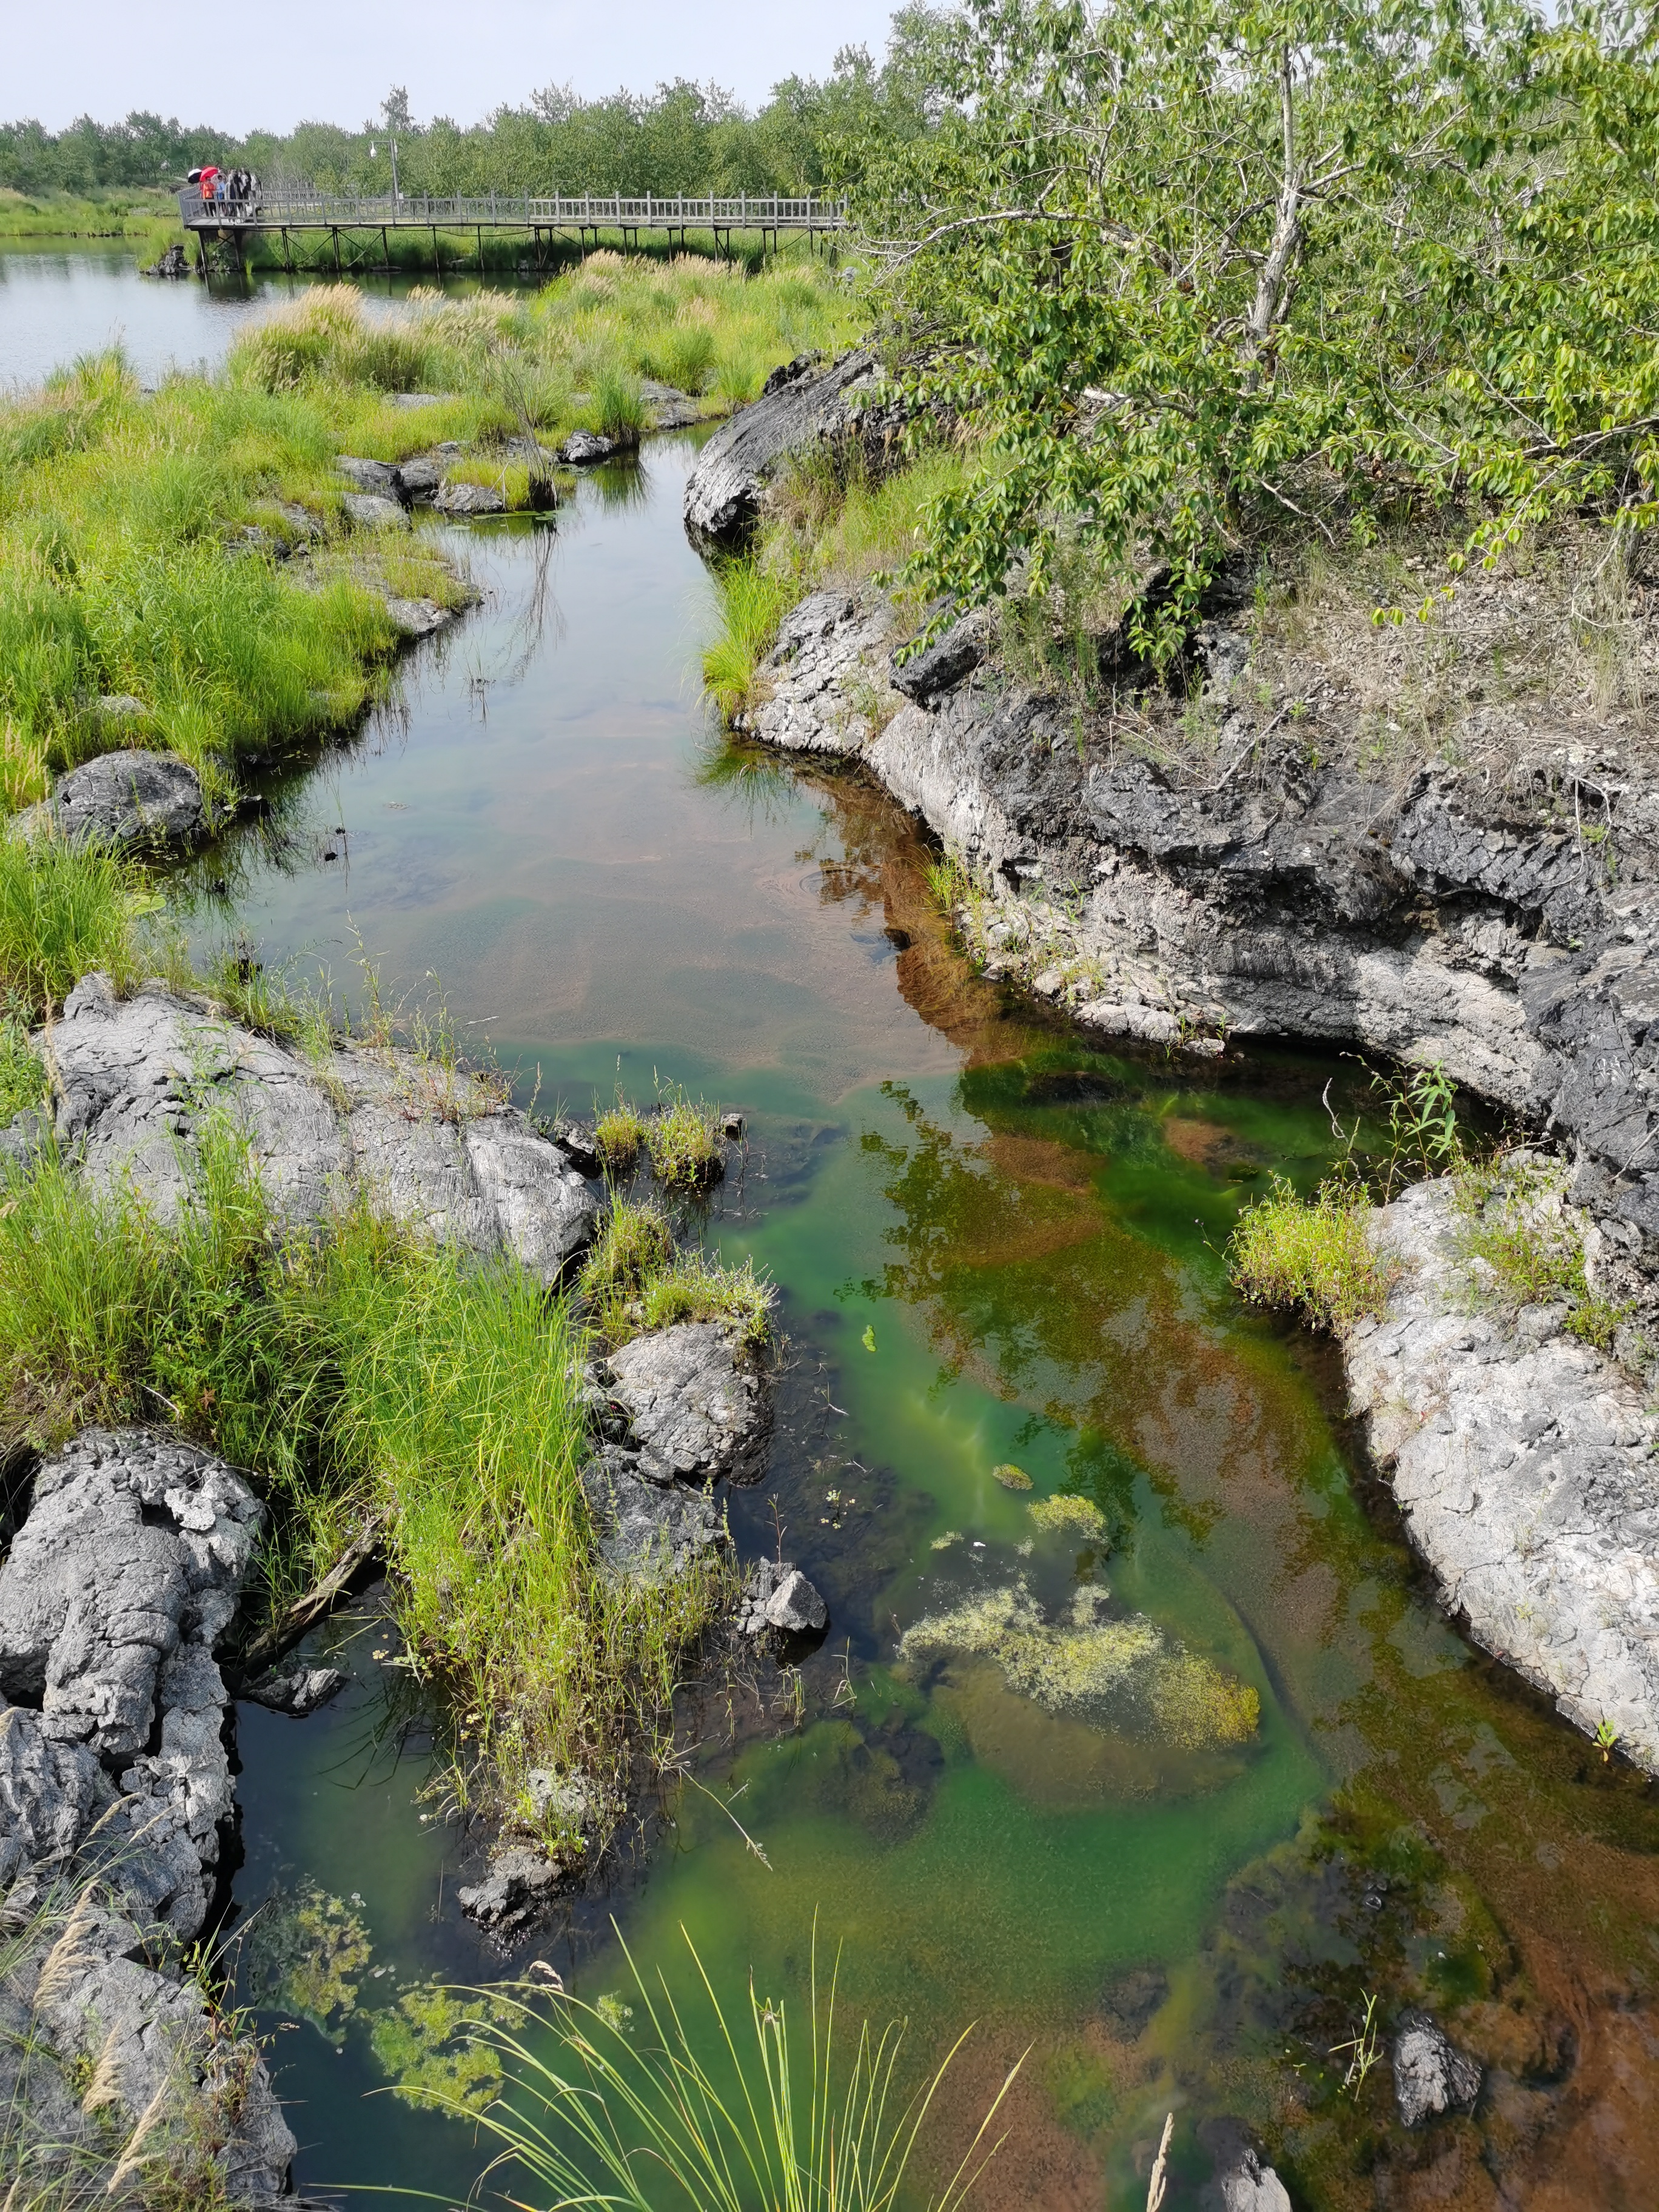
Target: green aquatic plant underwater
{"type": "Point", "coordinates": [629, 2112]}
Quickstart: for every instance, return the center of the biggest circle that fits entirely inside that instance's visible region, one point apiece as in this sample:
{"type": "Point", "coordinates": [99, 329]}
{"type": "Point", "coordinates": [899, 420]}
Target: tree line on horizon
{"type": "Point", "coordinates": [682, 137]}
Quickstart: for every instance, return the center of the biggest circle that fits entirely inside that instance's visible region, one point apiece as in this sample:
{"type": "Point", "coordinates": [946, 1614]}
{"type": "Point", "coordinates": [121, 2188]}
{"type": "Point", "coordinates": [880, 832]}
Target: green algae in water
{"type": "Point", "coordinates": [1010, 1477]}
{"type": "Point", "coordinates": [430, 2043]}
{"type": "Point", "coordinates": [1079, 1515]}
{"type": "Point", "coordinates": [1092, 1666]}
{"type": "Point", "coordinates": [306, 1953]}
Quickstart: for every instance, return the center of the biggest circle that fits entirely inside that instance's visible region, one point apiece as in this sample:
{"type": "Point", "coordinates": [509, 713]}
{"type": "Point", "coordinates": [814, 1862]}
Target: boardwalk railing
{"type": "Point", "coordinates": [281, 210]}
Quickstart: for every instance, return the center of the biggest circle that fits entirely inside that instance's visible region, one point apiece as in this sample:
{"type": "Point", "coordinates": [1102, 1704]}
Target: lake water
{"type": "Point", "coordinates": [994, 1243]}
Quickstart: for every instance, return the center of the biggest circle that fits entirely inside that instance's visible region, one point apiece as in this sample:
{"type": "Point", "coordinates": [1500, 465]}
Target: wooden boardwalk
{"type": "Point", "coordinates": [540, 221]}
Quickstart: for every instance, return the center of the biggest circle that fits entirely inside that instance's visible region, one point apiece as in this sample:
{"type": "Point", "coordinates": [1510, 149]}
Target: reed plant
{"type": "Point", "coordinates": [709, 2107]}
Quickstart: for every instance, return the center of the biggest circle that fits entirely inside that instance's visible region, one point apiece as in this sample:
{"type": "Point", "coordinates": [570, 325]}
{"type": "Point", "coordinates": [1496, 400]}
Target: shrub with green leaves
{"type": "Point", "coordinates": [1193, 274]}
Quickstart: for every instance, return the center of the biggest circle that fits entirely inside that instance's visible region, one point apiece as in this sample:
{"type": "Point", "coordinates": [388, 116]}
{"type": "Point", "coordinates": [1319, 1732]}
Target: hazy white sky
{"type": "Point", "coordinates": [271, 63]}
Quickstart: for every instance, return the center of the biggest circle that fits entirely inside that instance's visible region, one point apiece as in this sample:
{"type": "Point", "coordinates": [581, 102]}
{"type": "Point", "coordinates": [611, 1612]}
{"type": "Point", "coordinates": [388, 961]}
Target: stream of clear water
{"type": "Point", "coordinates": [994, 1241]}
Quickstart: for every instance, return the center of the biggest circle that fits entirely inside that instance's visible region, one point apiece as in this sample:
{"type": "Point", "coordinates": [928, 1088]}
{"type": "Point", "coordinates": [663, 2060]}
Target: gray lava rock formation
{"type": "Point", "coordinates": [114, 1789]}
{"type": "Point", "coordinates": [126, 799]}
{"type": "Point", "coordinates": [814, 408]}
{"type": "Point", "coordinates": [1525, 1465]}
{"type": "Point", "coordinates": [137, 1078]}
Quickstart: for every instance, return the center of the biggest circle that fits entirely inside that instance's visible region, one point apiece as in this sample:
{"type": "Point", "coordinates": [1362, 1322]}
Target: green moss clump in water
{"type": "Point", "coordinates": [306, 1953]}
{"type": "Point", "coordinates": [429, 2043]}
{"type": "Point", "coordinates": [1057, 1514]}
{"type": "Point", "coordinates": [1010, 1477]}
{"type": "Point", "coordinates": [1092, 1667]}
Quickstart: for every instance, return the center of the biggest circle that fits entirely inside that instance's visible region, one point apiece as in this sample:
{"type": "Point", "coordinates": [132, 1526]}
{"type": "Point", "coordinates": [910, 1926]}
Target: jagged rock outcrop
{"type": "Point", "coordinates": [115, 1787]}
{"type": "Point", "coordinates": [130, 797]}
{"type": "Point", "coordinates": [724, 490]}
{"type": "Point", "coordinates": [137, 1080]}
{"type": "Point", "coordinates": [1525, 1464]}
{"type": "Point", "coordinates": [689, 1402]}
{"type": "Point", "coordinates": [95, 2042]}
{"type": "Point", "coordinates": [126, 1573]}
{"type": "Point", "coordinates": [1440, 917]}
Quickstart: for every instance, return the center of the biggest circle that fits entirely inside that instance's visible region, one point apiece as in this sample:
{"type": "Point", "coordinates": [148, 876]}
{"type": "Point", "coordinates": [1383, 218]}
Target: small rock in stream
{"type": "Point", "coordinates": [778, 1595]}
{"type": "Point", "coordinates": [582, 447]}
{"type": "Point", "coordinates": [1431, 2075]}
{"type": "Point", "coordinates": [304, 1690]}
{"type": "Point", "coordinates": [518, 1880]}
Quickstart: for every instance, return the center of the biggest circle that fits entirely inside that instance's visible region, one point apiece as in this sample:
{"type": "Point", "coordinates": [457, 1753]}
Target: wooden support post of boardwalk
{"type": "Point", "coordinates": [232, 223]}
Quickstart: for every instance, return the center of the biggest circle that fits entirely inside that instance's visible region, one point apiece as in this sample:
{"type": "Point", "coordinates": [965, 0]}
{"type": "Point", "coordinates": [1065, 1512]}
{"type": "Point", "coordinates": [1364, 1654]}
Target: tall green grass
{"type": "Point", "coordinates": [829, 519]}
{"type": "Point", "coordinates": [126, 565]}
{"type": "Point", "coordinates": [709, 2108]}
{"type": "Point", "coordinates": [62, 913]}
{"type": "Point", "coordinates": [359, 1370]}
{"type": "Point", "coordinates": [752, 600]}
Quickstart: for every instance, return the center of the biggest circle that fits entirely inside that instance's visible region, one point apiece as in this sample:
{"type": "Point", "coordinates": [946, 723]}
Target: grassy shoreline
{"type": "Point", "coordinates": [123, 515]}
{"type": "Point", "coordinates": [362, 1372]}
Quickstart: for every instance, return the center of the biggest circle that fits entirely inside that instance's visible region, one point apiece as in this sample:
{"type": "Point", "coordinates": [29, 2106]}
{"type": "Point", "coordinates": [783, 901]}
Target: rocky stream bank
{"type": "Point", "coordinates": [129, 1552]}
{"type": "Point", "coordinates": [1493, 914]}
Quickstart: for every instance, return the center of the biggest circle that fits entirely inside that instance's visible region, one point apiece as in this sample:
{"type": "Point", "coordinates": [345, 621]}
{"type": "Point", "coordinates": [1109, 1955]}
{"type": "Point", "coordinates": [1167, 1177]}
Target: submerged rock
{"type": "Point", "coordinates": [690, 1401]}
{"type": "Point", "coordinates": [816, 408]}
{"type": "Point", "coordinates": [1526, 1466]}
{"type": "Point", "coordinates": [304, 1690]}
{"type": "Point", "coordinates": [1431, 2075]}
{"type": "Point", "coordinates": [138, 1079]}
{"type": "Point", "coordinates": [126, 1571]}
{"type": "Point", "coordinates": [128, 797]}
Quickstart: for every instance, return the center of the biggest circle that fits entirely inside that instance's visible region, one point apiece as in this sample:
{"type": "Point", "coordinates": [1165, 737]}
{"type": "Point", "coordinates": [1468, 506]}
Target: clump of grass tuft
{"type": "Point", "coordinates": [683, 1137]}
{"type": "Point", "coordinates": [694, 1287]}
{"type": "Point", "coordinates": [1527, 1250]}
{"type": "Point", "coordinates": [64, 910]}
{"type": "Point", "coordinates": [23, 1070]}
{"type": "Point", "coordinates": [646, 2111]}
{"type": "Point", "coordinates": [619, 407]}
{"type": "Point", "coordinates": [619, 1136]}
{"type": "Point", "coordinates": [1311, 1253]}
{"type": "Point", "coordinates": [753, 600]}
{"type": "Point", "coordinates": [633, 1244]}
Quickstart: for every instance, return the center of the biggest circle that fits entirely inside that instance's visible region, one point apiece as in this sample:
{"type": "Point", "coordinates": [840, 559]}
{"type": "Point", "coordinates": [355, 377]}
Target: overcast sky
{"type": "Point", "coordinates": [272, 65]}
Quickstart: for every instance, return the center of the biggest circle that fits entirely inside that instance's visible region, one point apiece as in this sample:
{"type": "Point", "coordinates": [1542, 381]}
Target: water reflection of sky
{"type": "Point", "coordinates": [57, 301]}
